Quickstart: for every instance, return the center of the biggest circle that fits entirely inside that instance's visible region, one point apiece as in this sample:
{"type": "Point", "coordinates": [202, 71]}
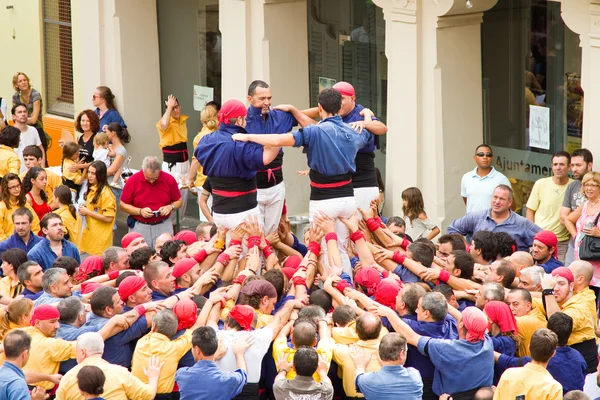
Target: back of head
{"type": "Point", "coordinates": [576, 395]}
{"type": "Point", "coordinates": [102, 298]}
{"type": "Point", "coordinates": [343, 315]}
{"type": "Point", "coordinates": [411, 294]}
{"type": "Point", "coordinates": [304, 334]}
{"type": "Point", "coordinates": [485, 393]}
{"type": "Point", "coordinates": [330, 100]}
{"type": "Point", "coordinates": [69, 264]}
{"type": "Point", "coordinates": [562, 325]}
{"type": "Point", "coordinates": [322, 299]}
{"type": "Point", "coordinates": [70, 309]}
{"type": "Point", "coordinates": [484, 241]}
{"type": "Point", "coordinates": [436, 304]}
{"type": "Point", "coordinates": [91, 379]}
{"type": "Point", "coordinates": [165, 322]}
{"type": "Point", "coordinates": [505, 244]}
{"type": "Point", "coordinates": [444, 289]}
{"type": "Point", "coordinates": [464, 262]}
{"type": "Point", "coordinates": [543, 344]}
{"type": "Point", "coordinates": [91, 342]}
{"type": "Point", "coordinates": [456, 241]}
{"type": "Point", "coordinates": [493, 291]}
{"type": "Point", "coordinates": [521, 259]}
{"type": "Point", "coordinates": [422, 253]}
{"type": "Point", "coordinates": [141, 257]}
{"type": "Point", "coordinates": [111, 255]}
{"type": "Point", "coordinates": [582, 268]}
{"type": "Point", "coordinates": [535, 273]}
{"type": "Point", "coordinates": [508, 272]}
{"type": "Point", "coordinates": [368, 326]}
{"type": "Point", "coordinates": [205, 338]}
{"type": "Point", "coordinates": [152, 271]}
{"type": "Point", "coordinates": [15, 343]}
{"type": "Point", "coordinates": [276, 277]}
{"type": "Point", "coordinates": [306, 361]}
{"type": "Point", "coordinates": [390, 347]}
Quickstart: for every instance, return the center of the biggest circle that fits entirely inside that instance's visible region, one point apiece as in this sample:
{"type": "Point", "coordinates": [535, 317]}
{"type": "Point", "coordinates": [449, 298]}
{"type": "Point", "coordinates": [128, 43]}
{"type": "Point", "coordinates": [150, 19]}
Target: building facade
{"type": "Point", "coordinates": [444, 75]}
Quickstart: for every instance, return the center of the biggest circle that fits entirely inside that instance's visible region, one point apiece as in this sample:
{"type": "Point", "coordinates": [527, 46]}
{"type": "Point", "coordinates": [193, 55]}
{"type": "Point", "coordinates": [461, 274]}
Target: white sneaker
{"type": "Point", "coordinates": [115, 185]}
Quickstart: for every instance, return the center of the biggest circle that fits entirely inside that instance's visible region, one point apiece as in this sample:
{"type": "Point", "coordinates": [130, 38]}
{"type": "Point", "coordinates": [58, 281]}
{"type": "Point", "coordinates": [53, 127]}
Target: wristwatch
{"type": "Point", "coordinates": [172, 207]}
{"type": "Point", "coordinates": [547, 292]}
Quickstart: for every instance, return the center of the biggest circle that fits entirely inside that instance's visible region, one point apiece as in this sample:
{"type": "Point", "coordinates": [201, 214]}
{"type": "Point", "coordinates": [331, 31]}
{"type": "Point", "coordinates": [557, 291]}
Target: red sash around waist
{"type": "Point", "coordinates": [330, 185]}
{"type": "Point", "coordinates": [225, 193]}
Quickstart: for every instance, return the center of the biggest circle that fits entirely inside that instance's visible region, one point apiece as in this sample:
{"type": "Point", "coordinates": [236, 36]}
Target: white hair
{"type": "Point", "coordinates": [535, 273]}
{"type": "Point", "coordinates": [151, 163]}
{"type": "Point", "coordinates": [92, 342]}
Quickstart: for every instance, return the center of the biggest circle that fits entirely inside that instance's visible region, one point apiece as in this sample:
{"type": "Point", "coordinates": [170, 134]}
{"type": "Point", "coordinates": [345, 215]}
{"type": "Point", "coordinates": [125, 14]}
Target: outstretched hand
{"type": "Point", "coordinates": [240, 137]}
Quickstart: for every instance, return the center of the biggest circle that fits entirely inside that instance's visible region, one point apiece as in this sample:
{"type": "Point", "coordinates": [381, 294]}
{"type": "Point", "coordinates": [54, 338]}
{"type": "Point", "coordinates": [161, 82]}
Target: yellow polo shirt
{"type": "Point", "coordinates": [533, 381]}
{"type": "Point", "coordinates": [348, 334]}
{"type": "Point", "coordinates": [46, 354]}
{"type": "Point", "coordinates": [10, 287]}
{"type": "Point", "coordinates": [120, 383]}
{"type": "Point", "coordinates": [526, 326]}
{"type": "Point", "coordinates": [546, 199]}
{"type": "Point", "coordinates": [71, 224]}
{"type": "Point", "coordinates": [52, 182]}
{"type": "Point", "coordinates": [97, 236]}
{"type": "Point", "coordinates": [175, 133]}
{"type": "Point", "coordinates": [169, 351]}
{"type": "Point", "coordinates": [9, 161]}
{"type": "Point", "coordinates": [6, 224]}
{"type": "Point", "coordinates": [341, 355]}
{"type": "Point", "coordinates": [281, 348]}
{"type": "Point", "coordinates": [76, 177]}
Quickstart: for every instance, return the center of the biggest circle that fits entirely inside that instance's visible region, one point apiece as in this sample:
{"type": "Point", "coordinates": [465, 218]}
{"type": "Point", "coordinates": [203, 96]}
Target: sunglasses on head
{"type": "Point", "coordinates": [488, 154]}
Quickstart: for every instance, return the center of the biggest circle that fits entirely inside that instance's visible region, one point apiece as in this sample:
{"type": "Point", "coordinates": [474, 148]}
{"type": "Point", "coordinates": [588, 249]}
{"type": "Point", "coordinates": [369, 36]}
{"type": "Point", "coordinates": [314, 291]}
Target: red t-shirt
{"type": "Point", "coordinates": [140, 193]}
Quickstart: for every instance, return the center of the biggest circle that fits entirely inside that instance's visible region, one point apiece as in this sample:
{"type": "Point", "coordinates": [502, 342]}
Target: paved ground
{"type": "Point", "coordinates": [190, 221]}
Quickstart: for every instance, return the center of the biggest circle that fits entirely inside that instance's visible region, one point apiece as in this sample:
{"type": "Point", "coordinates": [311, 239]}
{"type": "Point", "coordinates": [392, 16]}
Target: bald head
{"type": "Point", "coordinates": [582, 269]}
{"type": "Point", "coordinates": [368, 326]}
{"type": "Point", "coordinates": [304, 334]}
{"type": "Point", "coordinates": [521, 259]}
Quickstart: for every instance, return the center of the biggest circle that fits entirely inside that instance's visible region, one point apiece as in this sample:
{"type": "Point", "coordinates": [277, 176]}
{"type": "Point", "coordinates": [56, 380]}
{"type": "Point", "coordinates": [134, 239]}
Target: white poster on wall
{"type": "Point", "coordinates": [539, 127]}
{"type": "Point", "coordinates": [202, 95]}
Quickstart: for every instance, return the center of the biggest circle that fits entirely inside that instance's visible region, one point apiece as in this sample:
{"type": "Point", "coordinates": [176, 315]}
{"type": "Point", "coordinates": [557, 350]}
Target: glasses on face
{"type": "Point", "coordinates": [13, 187]}
{"type": "Point", "coordinates": [591, 185]}
{"type": "Point", "coordinates": [488, 154]}
{"type": "Point", "coordinates": [95, 96]}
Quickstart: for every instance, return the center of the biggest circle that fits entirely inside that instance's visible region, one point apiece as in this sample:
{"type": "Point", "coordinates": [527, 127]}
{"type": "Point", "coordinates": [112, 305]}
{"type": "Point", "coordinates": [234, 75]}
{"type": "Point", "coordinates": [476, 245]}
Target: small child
{"type": "Point", "coordinates": [103, 152]}
{"type": "Point", "coordinates": [415, 218]}
{"type": "Point", "coordinates": [73, 179]}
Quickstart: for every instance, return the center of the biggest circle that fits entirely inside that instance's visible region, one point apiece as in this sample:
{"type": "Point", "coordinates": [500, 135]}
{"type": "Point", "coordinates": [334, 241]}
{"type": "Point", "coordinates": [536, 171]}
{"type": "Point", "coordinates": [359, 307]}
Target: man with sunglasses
{"type": "Point", "coordinates": [477, 186]}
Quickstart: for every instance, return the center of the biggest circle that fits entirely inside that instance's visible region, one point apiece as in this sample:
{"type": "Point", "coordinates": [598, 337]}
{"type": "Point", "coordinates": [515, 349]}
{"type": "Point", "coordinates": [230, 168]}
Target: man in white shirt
{"type": "Point", "coordinates": [477, 186]}
{"type": "Point", "coordinates": [29, 135]}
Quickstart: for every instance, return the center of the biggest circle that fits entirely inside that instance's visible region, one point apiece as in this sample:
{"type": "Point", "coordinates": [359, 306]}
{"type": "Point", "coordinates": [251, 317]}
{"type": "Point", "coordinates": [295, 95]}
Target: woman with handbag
{"type": "Point", "coordinates": [584, 220]}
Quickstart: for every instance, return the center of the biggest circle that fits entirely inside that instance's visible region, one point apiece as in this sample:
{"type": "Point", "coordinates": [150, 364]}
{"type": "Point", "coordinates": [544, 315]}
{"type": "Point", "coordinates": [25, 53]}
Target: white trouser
{"type": "Point", "coordinates": [340, 207]}
{"type": "Point", "coordinates": [270, 204]}
{"type": "Point", "coordinates": [364, 195]}
{"type": "Point", "coordinates": [179, 171]}
{"type": "Point", "coordinates": [231, 221]}
{"type": "Point", "coordinates": [151, 232]}
{"type": "Point", "coordinates": [208, 203]}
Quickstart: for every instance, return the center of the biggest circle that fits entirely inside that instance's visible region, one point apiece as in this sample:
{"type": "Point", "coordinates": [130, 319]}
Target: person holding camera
{"type": "Point", "coordinates": [149, 197]}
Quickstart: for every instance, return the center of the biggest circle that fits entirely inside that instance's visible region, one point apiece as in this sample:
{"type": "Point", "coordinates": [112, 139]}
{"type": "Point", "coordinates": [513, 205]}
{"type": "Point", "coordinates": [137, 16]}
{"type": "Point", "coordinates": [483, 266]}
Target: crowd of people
{"type": "Point", "coordinates": [500, 306]}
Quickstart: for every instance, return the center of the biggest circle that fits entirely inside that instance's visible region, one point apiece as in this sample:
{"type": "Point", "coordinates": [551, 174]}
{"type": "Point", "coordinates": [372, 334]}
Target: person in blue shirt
{"type": "Point", "coordinates": [104, 101]}
{"type": "Point", "coordinates": [54, 244]}
{"type": "Point", "coordinates": [23, 238]}
{"type": "Point", "coordinates": [262, 119]}
{"type": "Point", "coordinates": [205, 380]}
{"type": "Point", "coordinates": [231, 167]}
{"type": "Point", "coordinates": [106, 303]}
{"type": "Point", "coordinates": [30, 275]}
{"type": "Point", "coordinates": [545, 251]}
{"type": "Point", "coordinates": [331, 147]}
{"type": "Point", "coordinates": [567, 366]}
{"type": "Point", "coordinates": [463, 365]}
{"type": "Point", "coordinates": [498, 218]}
{"type": "Point", "coordinates": [393, 380]}
{"type": "Point", "coordinates": [12, 379]}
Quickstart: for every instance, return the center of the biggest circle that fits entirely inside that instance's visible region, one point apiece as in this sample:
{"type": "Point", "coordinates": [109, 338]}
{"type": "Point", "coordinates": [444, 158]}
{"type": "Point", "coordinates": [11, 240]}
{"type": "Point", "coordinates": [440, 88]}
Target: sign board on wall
{"type": "Point", "coordinates": [539, 127]}
{"type": "Point", "coordinates": [202, 95]}
{"type": "Point", "coordinates": [520, 164]}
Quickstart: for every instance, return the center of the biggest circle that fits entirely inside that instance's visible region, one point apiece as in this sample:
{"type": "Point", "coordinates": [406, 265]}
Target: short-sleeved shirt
{"type": "Point", "coordinates": [531, 381]}
{"type": "Point", "coordinates": [391, 383]}
{"type": "Point", "coordinates": [479, 190]}
{"type": "Point", "coordinates": [119, 151]}
{"type": "Point", "coordinates": [175, 133]}
{"type": "Point", "coordinates": [546, 199]}
{"type": "Point", "coordinates": [9, 161]}
{"type": "Point", "coordinates": [33, 97]}
{"type": "Point", "coordinates": [302, 387]}
{"type": "Point", "coordinates": [140, 193]}
{"type": "Point", "coordinates": [254, 354]}
{"type": "Point", "coordinates": [573, 195]}
{"type": "Point", "coordinates": [30, 137]}
{"type": "Point", "coordinates": [205, 380]}
{"type": "Point", "coordinates": [12, 382]}
{"type": "Point", "coordinates": [418, 228]}
{"type": "Point", "coordinates": [111, 115]}
{"type": "Point", "coordinates": [97, 235]}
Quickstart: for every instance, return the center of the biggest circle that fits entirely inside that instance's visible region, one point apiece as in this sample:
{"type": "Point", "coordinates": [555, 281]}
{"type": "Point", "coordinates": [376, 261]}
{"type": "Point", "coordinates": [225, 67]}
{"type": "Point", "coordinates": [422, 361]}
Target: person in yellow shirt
{"type": "Point", "coordinates": [99, 211]}
{"type": "Point", "coordinates": [13, 197]}
{"type": "Point", "coordinates": [304, 334]}
{"type": "Point", "coordinates": [11, 260]}
{"type": "Point", "coordinates": [120, 383]}
{"type": "Point", "coordinates": [529, 319]}
{"type": "Point", "coordinates": [210, 123]}
{"type": "Point", "coordinates": [32, 157]}
{"type": "Point", "coordinates": [158, 343]}
{"type": "Point", "coordinates": [368, 327]}
{"type": "Point", "coordinates": [9, 160]}
{"type": "Point", "coordinates": [559, 295]}
{"type": "Point", "coordinates": [17, 315]}
{"type": "Point", "coordinates": [47, 352]}
{"type": "Point", "coordinates": [532, 381]}
{"type": "Point", "coordinates": [62, 205]}
{"type": "Point", "coordinates": [173, 133]}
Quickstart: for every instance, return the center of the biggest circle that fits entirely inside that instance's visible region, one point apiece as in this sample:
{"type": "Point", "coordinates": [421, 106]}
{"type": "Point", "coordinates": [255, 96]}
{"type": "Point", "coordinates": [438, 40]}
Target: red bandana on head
{"type": "Point", "coordinates": [232, 109]}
